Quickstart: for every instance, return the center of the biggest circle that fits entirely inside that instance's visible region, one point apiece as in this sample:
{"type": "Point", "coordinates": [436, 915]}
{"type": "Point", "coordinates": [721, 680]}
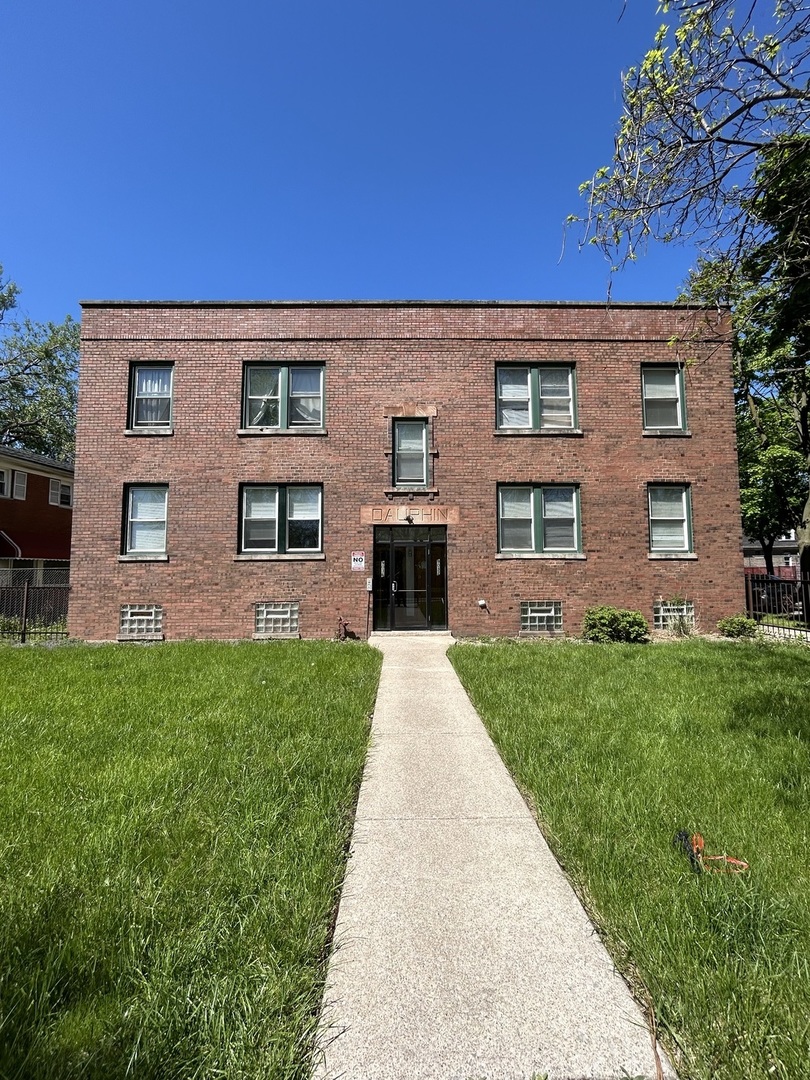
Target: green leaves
{"type": "Point", "coordinates": [38, 367]}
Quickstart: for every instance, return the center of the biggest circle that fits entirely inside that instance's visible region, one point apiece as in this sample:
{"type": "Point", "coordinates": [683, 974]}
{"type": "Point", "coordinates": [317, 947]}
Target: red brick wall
{"type": "Point", "coordinates": [378, 355]}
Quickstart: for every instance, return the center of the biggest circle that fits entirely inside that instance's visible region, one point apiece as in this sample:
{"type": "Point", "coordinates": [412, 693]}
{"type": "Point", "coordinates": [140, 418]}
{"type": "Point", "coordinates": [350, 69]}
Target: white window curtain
{"type": "Point", "coordinates": [555, 398]}
{"type": "Point", "coordinates": [147, 519]}
{"type": "Point", "coordinates": [559, 519]}
{"type": "Point", "coordinates": [153, 396]}
{"type": "Point", "coordinates": [516, 519]}
{"type": "Point", "coordinates": [513, 398]}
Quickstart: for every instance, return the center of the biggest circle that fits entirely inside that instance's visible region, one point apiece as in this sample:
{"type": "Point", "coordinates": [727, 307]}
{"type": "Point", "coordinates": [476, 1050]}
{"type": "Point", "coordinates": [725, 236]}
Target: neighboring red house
{"type": "Point", "coordinates": [266, 468]}
{"type": "Point", "coordinates": [36, 511]}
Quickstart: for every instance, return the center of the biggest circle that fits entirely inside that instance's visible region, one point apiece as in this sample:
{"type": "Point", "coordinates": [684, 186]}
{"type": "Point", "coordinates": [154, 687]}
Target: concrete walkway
{"type": "Point", "coordinates": [462, 952]}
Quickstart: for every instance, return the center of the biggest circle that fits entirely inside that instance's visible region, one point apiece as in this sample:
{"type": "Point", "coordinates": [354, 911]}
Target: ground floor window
{"type": "Point", "coordinates": [276, 619]}
{"type": "Point", "coordinates": [541, 616]}
{"type": "Point", "coordinates": [538, 518]}
{"type": "Point", "coordinates": [281, 518]}
{"type": "Point", "coordinates": [675, 615]}
{"type": "Point", "coordinates": [143, 622]}
{"type": "Point", "coordinates": [670, 507]}
{"type": "Point", "coordinates": [145, 519]}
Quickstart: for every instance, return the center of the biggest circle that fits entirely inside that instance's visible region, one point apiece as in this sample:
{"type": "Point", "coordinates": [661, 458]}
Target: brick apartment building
{"type": "Point", "coordinates": [261, 469]}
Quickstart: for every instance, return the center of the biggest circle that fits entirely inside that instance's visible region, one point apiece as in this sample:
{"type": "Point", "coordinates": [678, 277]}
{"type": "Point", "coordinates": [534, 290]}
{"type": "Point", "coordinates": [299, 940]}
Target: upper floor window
{"type": "Point", "coordinates": [539, 518]}
{"type": "Point", "coordinates": [670, 508]}
{"type": "Point", "coordinates": [145, 519]}
{"type": "Point", "coordinates": [4, 483]}
{"type": "Point", "coordinates": [60, 494]}
{"type": "Point", "coordinates": [536, 397]}
{"type": "Point", "coordinates": [20, 484]}
{"type": "Point", "coordinates": [281, 518]}
{"type": "Point", "coordinates": [410, 453]}
{"type": "Point", "coordinates": [151, 396]}
{"type": "Point", "coordinates": [282, 397]}
{"type": "Point", "coordinates": [663, 398]}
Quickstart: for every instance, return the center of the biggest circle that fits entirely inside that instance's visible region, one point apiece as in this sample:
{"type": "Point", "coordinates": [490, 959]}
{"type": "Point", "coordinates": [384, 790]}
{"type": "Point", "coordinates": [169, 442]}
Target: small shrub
{"type": "Point", "coordinates": [737, 626]}
{"type": "Point", "coordinates": [606, 623]}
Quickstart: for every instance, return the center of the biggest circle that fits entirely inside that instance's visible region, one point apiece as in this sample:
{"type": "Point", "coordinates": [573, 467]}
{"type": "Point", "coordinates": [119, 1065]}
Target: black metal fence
{"type": "Point", "coordinates": [37, 612]}
{"type": "Point", "coordinates": [780, 604]}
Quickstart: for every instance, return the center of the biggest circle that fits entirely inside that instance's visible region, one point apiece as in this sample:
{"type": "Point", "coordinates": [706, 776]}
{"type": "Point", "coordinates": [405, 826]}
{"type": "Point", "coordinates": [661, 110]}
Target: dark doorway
{"type": "Point", "coordinates": [410, 578]}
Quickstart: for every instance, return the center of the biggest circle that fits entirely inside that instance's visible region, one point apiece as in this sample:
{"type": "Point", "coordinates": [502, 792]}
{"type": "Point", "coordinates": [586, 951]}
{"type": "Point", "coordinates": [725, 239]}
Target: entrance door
{"type": "Point", "coordinates": [410, 578]}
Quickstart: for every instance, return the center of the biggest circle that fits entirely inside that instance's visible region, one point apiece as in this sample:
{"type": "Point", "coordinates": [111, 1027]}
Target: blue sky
{"type": "Point", "coordinates": [312, 149]}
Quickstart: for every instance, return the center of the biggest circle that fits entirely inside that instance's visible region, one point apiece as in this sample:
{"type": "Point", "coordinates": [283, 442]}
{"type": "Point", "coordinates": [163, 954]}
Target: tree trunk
{"type": "Point", "coordinates": [767, 552]}
{"type": "Point", "coordinates": [803, 538]}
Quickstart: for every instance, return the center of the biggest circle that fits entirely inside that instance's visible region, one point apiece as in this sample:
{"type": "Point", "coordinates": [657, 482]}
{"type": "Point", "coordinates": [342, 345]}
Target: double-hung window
{"type": "Point", "coordinates": [145, 519]}
{"type": "Point", "coordinates": [282, 397]}
{"type": "Point", "coordinates": [410, 453]}
{"type": "Point", "coordinates": [663, 397]}
{"type": "Point", "coordinates": [151, 397]}
{"type": "Point", "coordinates": [540, 519]}
{"type": "Point", "coordinates": [670, 512]}
{"type": "Point", "coordinates": [20, 486]}
{"type": "Point", "coordinates": [536, 397]}
{"type": "Point", "coordinates": [60, 494]}
{"type": "Point", "coordinates": [281, 518]}
{"type": "Point", "coordinates": [4, 483]}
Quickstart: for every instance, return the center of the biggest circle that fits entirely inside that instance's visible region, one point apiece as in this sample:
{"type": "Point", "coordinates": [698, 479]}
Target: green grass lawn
{"type": "Point", "coordinates": [173, 822]}
{"type": "Point", "coordinates": [618, 747]}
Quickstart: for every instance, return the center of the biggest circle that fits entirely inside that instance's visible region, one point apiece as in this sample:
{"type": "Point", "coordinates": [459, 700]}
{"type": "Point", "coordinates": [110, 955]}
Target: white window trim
{"type": "Point", "coordinates": [153, 427]}
{"type": "Point", "coordinates": [20, 485]}
{"type": "Point", "coordinates": [147, 554]}
{"type": "Point", "coordinates": [57, 488]}
{"type": "Point", "coordinates": [5, 476]}
{"type": "Point", "coordinates": [413, 421]}
{"type": "Point", "coordinates": [680, 426]}
{"type": "Point", "coordinates": [686, 496]}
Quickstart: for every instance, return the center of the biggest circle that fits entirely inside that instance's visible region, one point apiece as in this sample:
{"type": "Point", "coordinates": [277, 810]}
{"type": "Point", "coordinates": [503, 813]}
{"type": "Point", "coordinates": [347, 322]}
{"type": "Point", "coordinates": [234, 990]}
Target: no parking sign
{"type": "Point", "coordinates": [359, 560]}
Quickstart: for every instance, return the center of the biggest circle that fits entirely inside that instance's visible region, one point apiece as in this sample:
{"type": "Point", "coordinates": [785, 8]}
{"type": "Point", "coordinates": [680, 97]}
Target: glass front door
{"type": "Point", "coordinates": [410, 575]}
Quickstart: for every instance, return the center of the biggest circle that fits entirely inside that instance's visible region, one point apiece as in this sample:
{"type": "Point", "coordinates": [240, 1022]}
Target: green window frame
{"type": "Point", "coordinates": [539, 519]}
{"type": "Point", "coordinates": [663, 398]}
{"type": "Point", "coordinates": [282, 397]}
{"type": "Point", "coordinates": [669, 507]}
{"type": "Point", "coordinates": [536, 397]}
{"type": "Point", "coordinates": [280, 519]}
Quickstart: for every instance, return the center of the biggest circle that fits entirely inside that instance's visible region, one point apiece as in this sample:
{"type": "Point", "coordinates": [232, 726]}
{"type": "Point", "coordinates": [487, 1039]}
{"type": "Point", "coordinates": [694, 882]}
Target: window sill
{"type": "Point", "coordinates": [559, 555]}
{"type": "Point", "coordinates": [576, 433]}
{"type": "Point", "coordinates": [141, 637]}
{"type": "Point", "coordinates": [273, 556]}
{"type": "Point", "coordinates": [149, 431]}
{"type": "Point", "coordinates": [672, 555]}
{"type": "Point", "coordinates": [275, 637]}
{"type": "Point", "coordinates": [666, 433]}
{"type": "Point", "coordinates": [403, 489]}
{"type": "Point", "coordinates": [143, 558]}
{"type": "Point", "coordinates": [258, 431]}
{"type": "Point", "coordinates": [541, 634]}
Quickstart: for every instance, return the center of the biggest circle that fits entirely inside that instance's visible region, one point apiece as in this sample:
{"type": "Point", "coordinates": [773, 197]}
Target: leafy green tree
{"type": "Point", "coordinates": [38, 368]}
{"type": "Point", "coordinates": [722, 83]}
{"type": "Point", "coordinates": [768, 289]}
